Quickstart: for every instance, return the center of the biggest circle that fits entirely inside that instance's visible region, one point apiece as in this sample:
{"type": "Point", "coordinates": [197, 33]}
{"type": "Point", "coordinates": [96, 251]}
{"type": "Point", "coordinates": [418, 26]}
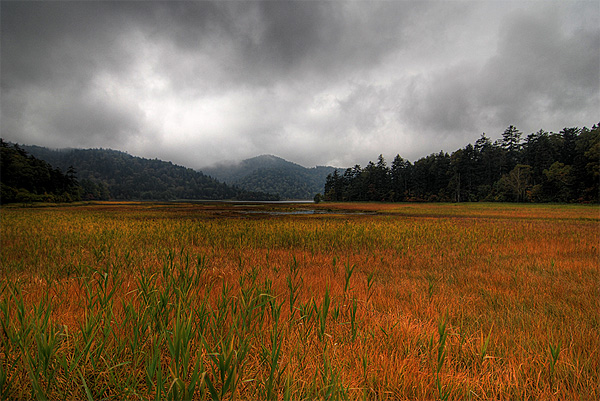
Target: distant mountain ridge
{"type": "Point", "coordinates": [272, 174]}
{"type": "Point", "coordinates": [112, 174]}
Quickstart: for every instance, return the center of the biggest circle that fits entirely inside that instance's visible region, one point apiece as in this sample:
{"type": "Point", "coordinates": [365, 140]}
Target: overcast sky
{"type": "Point", "coordinates": [318, 83]}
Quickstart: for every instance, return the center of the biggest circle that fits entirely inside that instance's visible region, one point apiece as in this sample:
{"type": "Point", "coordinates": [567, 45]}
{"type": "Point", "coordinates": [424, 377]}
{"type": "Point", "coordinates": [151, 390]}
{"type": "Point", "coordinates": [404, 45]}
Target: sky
{"type": "Point", "coordinates": [314, 82]}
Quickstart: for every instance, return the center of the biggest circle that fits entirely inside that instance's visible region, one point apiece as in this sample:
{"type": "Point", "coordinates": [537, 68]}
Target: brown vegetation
{"type": "Point", "coordinates": [403, 301]}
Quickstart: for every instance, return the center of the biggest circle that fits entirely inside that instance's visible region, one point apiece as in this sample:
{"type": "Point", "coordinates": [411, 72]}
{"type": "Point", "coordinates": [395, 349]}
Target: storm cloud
{"type": "Point", "coordinates": [317, 83]}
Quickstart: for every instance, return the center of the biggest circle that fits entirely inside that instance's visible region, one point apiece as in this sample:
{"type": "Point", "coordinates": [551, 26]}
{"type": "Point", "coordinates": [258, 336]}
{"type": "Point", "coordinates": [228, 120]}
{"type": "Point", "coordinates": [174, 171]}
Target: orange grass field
{"type": "Point", "coordinates": [300, 301]}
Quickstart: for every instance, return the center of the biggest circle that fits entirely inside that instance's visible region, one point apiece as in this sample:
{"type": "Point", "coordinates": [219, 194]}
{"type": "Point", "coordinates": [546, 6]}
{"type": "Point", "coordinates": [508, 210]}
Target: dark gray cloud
{"type": "Point", "coordinates": [543, 72]}
{"type": "Point", "coordinates": [540, 75]}
{"type": "Point", "coordinates": [314, 82]}
{"type": "Point", "coordinates": [45, 43]}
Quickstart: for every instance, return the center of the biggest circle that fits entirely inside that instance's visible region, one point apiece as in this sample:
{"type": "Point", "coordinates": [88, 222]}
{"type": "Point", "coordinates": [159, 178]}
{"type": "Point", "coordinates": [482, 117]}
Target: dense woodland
{"type": "Point", "coordinates": [542, 167]}
{"type": "Point", "coordinates": [24, 178]}
{"type": "Point", "coordinates": [272, 174]}
{"type": "Point", "coordinates": [102, 174]}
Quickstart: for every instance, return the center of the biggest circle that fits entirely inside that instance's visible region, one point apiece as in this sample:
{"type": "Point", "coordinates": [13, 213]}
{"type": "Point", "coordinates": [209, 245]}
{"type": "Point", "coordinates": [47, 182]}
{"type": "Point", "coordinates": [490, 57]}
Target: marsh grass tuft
{"type": "Point", "coordinates": [554, 354]}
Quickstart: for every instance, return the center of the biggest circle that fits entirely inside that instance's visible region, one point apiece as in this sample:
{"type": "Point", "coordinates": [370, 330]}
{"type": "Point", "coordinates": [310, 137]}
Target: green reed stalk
{"type": "Point", "coordinates": [348, 270]}
{"type": "Point", "coordinates": [353, 318]}
{"type": "Point", "coordinates": [554, 354]}
{"type": "Point", "coordinates": [370, 281]}
{"type": "Point", "coordinates": [441, 357]}
{"type": "Point", "coordinates": [322, 312]}
{"type": "Point", "coordinates": [271, 357]}
{"type": "Point", "coordinates": [484, 345]}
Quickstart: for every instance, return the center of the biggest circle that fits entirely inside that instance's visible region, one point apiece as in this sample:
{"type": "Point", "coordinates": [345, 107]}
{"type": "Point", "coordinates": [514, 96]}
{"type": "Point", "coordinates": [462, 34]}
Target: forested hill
{"type": "Point", "coordinates": [542, 167]}
{"type": "Point", "coordinates": [111, 174]}
{"type": "Point", "coordinates": [272, 174]}
{"type": "Point", "coordinates": [25, 178]}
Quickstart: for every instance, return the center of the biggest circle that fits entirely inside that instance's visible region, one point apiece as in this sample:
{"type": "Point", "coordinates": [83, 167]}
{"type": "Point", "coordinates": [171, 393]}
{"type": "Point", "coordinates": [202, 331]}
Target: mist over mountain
{"type": "Point", "coordinates": [543, 167]}
{"type": "Point", "coordinates": [272, 174]}
{"type": "Point", "coordinates": [112, 174]}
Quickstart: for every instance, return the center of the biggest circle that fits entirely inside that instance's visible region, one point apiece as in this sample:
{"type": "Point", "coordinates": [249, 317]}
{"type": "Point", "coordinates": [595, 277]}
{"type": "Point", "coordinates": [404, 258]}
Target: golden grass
{"type": "Point", "coordinates": [381, 301]}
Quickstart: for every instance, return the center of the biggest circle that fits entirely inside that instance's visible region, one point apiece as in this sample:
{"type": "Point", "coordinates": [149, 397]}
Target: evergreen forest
{"type": "Point", "coordinates": [272, 174]}
{"type": "Point", "coordinates": [541, 167]}
{"type": "Point", "coordinates": [559, 167]}
{"type": "Point", "coordinates": [25, 178]}
{"type": "Point", "coordinates": [33, 173]}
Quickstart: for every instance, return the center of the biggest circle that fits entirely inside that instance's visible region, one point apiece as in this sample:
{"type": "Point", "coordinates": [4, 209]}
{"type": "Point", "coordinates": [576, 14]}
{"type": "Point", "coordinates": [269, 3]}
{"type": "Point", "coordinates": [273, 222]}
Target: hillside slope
{"type": "Point", "coordinates": [25, 178]}
{"type": "Point", "coordinates": [105, 173]}
{"type": "Point", "coordinates": [272, 174]}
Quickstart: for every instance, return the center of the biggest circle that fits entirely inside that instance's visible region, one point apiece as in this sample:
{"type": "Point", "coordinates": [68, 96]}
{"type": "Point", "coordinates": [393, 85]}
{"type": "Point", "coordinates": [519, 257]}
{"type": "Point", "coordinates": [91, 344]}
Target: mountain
{"type": "Point", "coordinates": [112, 174]}
{"type": "Point", "coordinates": [272, 174]}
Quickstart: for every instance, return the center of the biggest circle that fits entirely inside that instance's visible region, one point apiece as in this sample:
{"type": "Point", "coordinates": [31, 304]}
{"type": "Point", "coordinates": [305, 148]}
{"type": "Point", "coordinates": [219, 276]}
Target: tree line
{"type": "Point", "coordinates": [542, 167]}
{"type": "Point", "coordinates": [272, 174]}
{"type": "Point", "coordinates": [24, 178]}
{"type": "Point", "coordinates": [104, 174]}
